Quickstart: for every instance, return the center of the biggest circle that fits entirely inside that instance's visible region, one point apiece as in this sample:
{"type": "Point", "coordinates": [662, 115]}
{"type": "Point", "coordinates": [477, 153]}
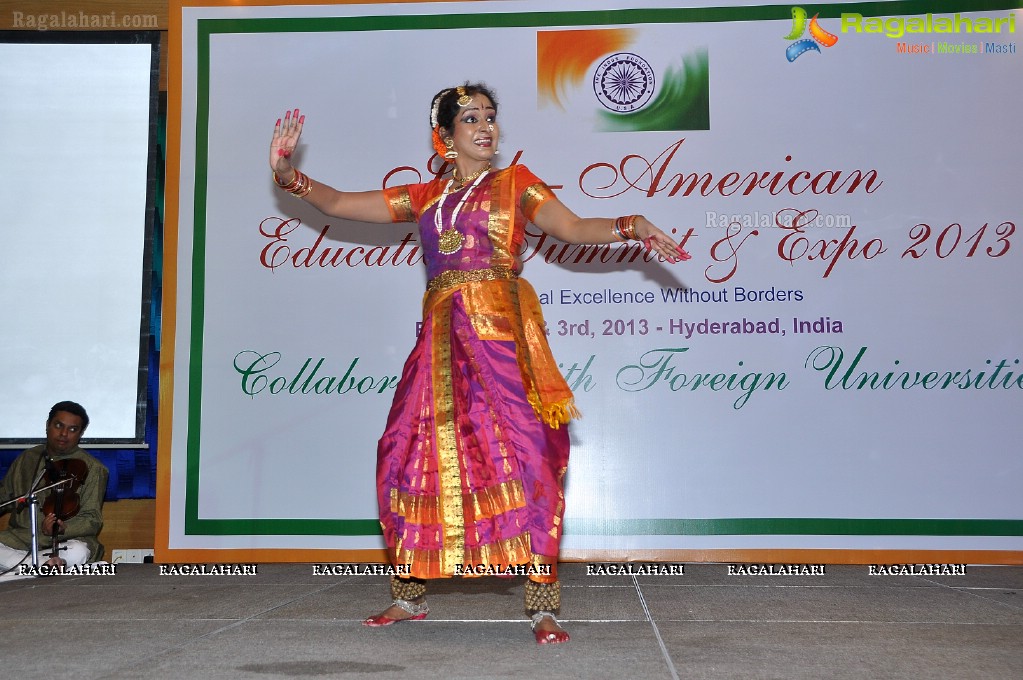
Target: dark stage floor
{"type": "Point", "coordinates": [287, 622]}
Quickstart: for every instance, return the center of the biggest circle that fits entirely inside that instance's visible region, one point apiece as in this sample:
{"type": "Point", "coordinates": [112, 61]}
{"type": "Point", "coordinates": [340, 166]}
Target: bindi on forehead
{"type": "Point", "coordinates": [471, 109]}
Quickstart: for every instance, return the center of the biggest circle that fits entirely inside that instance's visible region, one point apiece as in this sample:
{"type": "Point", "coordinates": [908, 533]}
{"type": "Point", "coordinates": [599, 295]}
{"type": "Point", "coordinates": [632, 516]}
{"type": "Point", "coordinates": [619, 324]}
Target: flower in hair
{"type": "Point", "coordinates": [438, 143]}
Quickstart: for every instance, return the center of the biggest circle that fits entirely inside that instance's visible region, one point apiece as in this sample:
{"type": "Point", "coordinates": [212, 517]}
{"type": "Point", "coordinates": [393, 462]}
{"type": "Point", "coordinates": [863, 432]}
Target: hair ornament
{"type": "Point", "coordinates": [463, 99]}
{"type": "Point", "coordinates": [436, 108]}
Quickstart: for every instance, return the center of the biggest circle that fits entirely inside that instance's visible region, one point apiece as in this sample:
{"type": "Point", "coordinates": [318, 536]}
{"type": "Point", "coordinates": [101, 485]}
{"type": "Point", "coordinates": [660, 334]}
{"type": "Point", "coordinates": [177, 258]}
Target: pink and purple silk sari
{"type": "Point", "coordinates": [471, 463]}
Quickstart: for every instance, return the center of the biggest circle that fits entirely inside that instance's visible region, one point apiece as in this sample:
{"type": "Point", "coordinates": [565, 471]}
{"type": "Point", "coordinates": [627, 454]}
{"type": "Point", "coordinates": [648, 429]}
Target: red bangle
{"type": "Point", "coordinates": [625, 227]}
{"type": "Point", "coordinates": [299, 186]}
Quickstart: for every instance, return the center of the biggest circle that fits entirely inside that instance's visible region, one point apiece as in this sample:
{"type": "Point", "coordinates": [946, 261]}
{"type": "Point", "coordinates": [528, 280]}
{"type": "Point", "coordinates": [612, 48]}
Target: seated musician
{"type": "Point", "coordinates": [74, 528]}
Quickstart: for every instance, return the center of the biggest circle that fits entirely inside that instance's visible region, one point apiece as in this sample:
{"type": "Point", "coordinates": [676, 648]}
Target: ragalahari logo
{"type": "Point", "coordinates": [818, 36]}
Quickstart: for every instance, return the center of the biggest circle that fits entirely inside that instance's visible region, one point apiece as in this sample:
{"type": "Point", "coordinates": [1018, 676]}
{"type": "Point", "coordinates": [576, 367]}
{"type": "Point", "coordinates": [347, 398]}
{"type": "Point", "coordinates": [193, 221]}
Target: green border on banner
{"type": "Point", "coordinates": [194, 525]}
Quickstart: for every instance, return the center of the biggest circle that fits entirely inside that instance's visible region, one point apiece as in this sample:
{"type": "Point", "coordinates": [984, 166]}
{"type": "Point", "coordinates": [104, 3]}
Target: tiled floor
{"type": "Point", "coordinates": [286, 622]}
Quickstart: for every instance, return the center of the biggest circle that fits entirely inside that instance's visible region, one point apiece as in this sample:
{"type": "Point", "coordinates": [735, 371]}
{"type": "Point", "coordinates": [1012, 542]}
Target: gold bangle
{"type": "Point", "coordinates": [629, 228]}
{"type": "Point", "coordinates": [300, 186]}
{"type": "Point", "coordinates": [625, 227]}
{"type": "Point", "coordinates": [295, 184]}
{"type": "Point", "coordinates": [278, 182]}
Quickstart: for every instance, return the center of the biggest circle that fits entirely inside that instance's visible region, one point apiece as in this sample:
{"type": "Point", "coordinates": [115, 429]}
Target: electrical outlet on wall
{"type": "Point", "coordinates": [131, 556]}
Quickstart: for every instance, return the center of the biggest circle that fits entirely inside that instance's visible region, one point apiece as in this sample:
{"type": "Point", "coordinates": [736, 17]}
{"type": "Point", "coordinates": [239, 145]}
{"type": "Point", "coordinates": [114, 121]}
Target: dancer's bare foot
{"type": "Point", "coordinates": [547, 630]}
{"type": "Point", "coordinates": [401, 610]}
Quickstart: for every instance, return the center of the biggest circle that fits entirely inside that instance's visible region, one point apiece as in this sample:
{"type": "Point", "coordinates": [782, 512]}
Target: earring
{"type": "Point", "coordinates": [451, 154]}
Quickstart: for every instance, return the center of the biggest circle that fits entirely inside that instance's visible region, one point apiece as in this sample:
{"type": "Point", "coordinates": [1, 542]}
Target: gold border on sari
{"type": "Point", "coordinates": [449, 475]}
{"type": "Point", "coordinates": [484, 504]}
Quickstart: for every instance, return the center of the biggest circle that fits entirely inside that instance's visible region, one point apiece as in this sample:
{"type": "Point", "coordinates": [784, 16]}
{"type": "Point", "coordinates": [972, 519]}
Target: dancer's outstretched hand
{"type": "Point", "coordinates": [285, 139]}
{"type": "Point", "coordinates": [657, 241]}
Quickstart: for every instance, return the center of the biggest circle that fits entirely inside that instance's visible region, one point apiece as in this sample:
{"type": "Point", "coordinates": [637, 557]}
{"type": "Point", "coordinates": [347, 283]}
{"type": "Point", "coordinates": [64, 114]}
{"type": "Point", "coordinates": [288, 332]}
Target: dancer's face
{"type": "Point", "coordinates": [475, 132]}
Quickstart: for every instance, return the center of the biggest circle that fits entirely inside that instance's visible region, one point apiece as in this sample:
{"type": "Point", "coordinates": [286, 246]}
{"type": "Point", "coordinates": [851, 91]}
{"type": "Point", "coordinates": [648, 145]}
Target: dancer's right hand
{"type": "Point", "coordinates": [285, 140]}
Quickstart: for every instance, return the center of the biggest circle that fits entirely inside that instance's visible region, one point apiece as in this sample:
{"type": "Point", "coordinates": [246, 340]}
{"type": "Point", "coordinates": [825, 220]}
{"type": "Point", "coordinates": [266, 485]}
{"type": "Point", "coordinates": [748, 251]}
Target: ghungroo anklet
{"type": "Point", "coordinates": [543, 596]}
{"type": "Point", "coordinates": [421, 609]}
{"type": "Point", "coordinates": [407, 589]}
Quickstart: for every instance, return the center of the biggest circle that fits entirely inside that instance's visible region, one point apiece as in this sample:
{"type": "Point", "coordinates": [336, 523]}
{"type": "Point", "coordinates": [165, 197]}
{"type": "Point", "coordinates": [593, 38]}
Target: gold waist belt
{"type": "Point", "coordinates": [455, 277]}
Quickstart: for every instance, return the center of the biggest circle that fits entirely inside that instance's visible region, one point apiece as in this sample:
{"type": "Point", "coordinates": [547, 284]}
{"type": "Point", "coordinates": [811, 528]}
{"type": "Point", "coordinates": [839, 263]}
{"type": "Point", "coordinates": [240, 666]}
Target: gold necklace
{"type": "Point", "coordinates": [450, 240]}
{"type": "Point", "coordinates": [462, 181]}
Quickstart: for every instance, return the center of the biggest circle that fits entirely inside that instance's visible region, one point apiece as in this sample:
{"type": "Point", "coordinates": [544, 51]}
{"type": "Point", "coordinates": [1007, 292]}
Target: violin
{"type": "Point", "coordinates": [64, 501]}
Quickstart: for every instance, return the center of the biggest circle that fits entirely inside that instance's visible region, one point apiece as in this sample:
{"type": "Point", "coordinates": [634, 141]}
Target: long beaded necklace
{"type": "Point", "coordinates": [451, 240]}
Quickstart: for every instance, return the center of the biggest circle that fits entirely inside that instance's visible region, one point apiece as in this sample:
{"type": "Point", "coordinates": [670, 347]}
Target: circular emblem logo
{"type": "Point", "coordinates": [623, 82]}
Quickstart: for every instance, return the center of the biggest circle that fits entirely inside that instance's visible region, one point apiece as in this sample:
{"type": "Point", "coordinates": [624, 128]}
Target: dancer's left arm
{"type": "Point", "coordinates": [556, 219]}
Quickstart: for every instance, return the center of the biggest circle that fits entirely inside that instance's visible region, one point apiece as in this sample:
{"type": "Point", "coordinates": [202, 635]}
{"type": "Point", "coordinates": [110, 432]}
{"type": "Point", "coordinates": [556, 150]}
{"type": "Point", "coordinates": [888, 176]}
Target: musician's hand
{"type": "Point", "coordinates": [48, 523]}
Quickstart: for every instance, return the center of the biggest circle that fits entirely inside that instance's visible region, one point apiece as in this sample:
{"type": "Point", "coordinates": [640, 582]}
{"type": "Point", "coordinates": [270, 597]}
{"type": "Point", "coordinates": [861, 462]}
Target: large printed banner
{"type": "Point", "coordinates": [837, 368]}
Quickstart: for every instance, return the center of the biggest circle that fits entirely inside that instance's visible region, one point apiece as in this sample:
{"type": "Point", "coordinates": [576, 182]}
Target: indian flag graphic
{"type": "Point", "coordinates": [623, 83]}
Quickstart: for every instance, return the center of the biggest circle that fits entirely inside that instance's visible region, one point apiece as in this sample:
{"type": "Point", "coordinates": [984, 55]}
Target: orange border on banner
{"type": "Point", "coordinates": [168, 304]}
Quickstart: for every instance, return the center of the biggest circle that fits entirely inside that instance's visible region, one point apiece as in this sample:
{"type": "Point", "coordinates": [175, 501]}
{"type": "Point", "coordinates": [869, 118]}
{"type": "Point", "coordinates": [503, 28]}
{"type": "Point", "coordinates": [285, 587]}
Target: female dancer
{"type": "Point", "coordinates": [471, 462]}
